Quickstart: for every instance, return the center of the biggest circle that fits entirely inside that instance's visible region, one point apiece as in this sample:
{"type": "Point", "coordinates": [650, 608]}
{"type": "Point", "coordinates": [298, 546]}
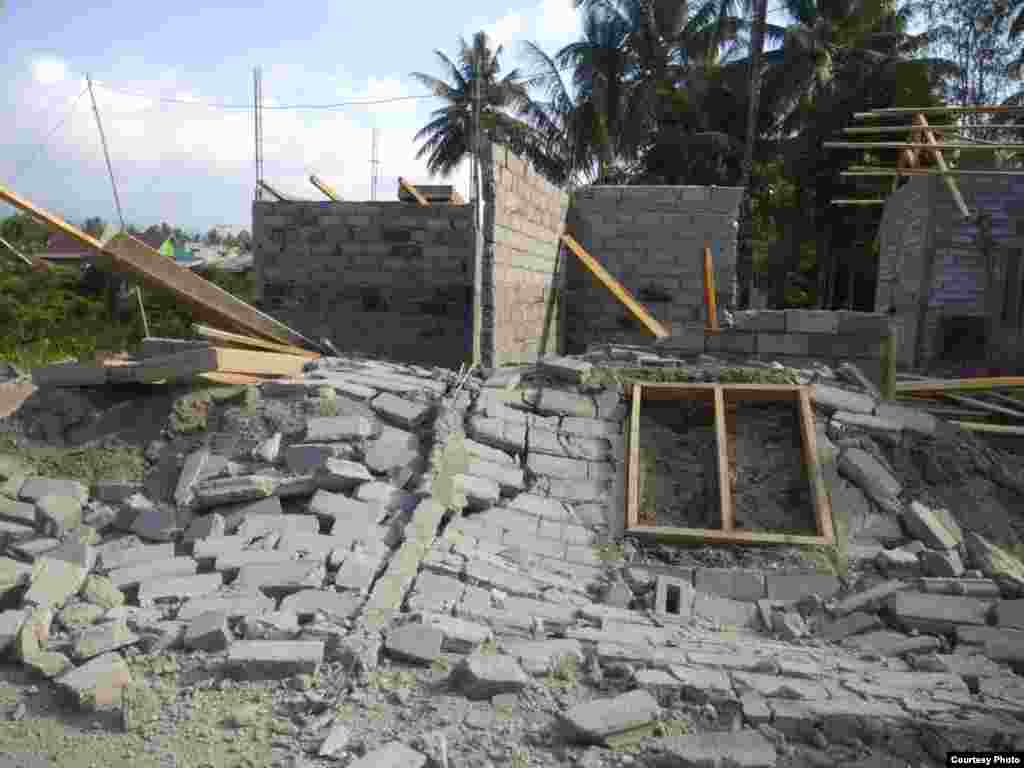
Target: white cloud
{"type": "Point", "coordinates": [510, 28]}
{"type": "Point", "coordinates": [558, 22]}
{"type": "Point", "coordinates": [49, 70]}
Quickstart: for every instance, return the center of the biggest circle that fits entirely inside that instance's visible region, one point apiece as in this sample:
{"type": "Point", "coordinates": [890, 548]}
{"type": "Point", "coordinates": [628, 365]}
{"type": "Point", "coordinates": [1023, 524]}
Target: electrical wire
{"type": "Point", "coordinates": [42, 145]}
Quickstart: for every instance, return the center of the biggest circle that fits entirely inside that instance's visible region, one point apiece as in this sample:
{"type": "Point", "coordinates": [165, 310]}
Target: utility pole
{"type": "Point", "coordinates": [374, 166]}
{"type": "Point", "coordinates": [257, 101]}
{"type": "Point", "coordinates": [745, 255]}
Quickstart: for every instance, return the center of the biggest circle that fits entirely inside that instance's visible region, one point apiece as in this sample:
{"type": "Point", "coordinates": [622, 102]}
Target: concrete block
{"type": "Point", "coordinates": [556, 402]}
{"type": "Point", "coordinates": [35, 488]}
{"type": "Point", "coordinates": [568, 445]}
{"type": "Point", "coordinates": [341, 475]}
{"type": "Point", "coordinates": [52, 582]}
{"type": "Point", "coordinates": [267, 659]}
{"type": "Point", "coordinates": [337, 605]}
{"type": "Point", "coordinates": [281, 578]}
{"type": "Point", "coordinates": [207, 526]}
{"type": "Point", "coordinates": [236, 514]}
{"type": "Point", "coordinates": [394, 754]}
{"type": "Point", "coordinates": [731, 342]}
{"type": "Point", "coordinates": [598, 721]}
{"type": "Point", "coordinates": [10, 624]}
{"type": "Point", "coordinates": [835, 399]}
{"type": "Point", "coordinates": [132, 575]}
{"type": "Point", "coordinates": [102, 638]}
{"type": "Point", "coordinates": [184, 587]}
{"type": "Point", "coordinates": [863, 322]}
{"type": "Point", "coordinates": [764, 320]}
{"type": "Point", "coordinates": [415, 643]}
{"type": "Point", "coordinates": [191, 472]}
{"type": "Point", "coordinates": [485, 676]}
{"type": "Point", "coordinates": [232, 490]}
{"type": "Point", "coordinates": [748, 748]}
{"type": "Point", "coordinates": [793, 586]}
{"type": "Point", "coordinates": [480, 492]}
{"type": "Point", "coordinates": [306, 458]}
{"type": "Point", "coordinates": [332, 429]}
{"type": "Point", "coordinates": [674, 597]}
{"type": "Point", "coordinates": [97, 684]}
{"type": "Point", "coordinates": [458, 635]}
{"type": "Point", "coordinates": [156, 522]}
{"type": "Point", "coordinates": [863, 470]}
{"type": "Point", "coordinates": [509, 477]}
{"type": "Point", "coordinates": [855, 623]}
{"type": "Point", "coordinates": [936, 614]}
{"type": "Point", "coordinates": [208, 632]}
{"type": "Point", "coordinates": [233, 602]}
{"type": "Point", "coordinates": [569, 369]}
{"type": "Point", "coordinates": [386, 495]}
{"type": "Point", "coordinates": [724, 611]}
{"type": "Point", "coordinates": [18, 512]}
{"type": "Point", "coordinates": [936, 528]}
{"type": "Point", "coordinates": [911, 419]}
{"type": "Point", "coordinates": [811, 321]}
{"type": "Point", "coordinates": [747, 585]}
{"type": "Point", "coordinates": [56, 514]}
{"type": "Point", "coordinates": [769, 344]}
{"type": "Point", "coordinates": [356, 573]}
{"type": "Point", "coordinates": [398, 410]}
{"type": "Point", "coordinates": [257, 526]}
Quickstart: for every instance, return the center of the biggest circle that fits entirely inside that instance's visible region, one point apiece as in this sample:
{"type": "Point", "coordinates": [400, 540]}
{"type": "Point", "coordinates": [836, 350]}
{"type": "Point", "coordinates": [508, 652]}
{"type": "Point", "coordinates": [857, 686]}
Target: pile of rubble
{"type": "Point", "coordinates": [324, 534]}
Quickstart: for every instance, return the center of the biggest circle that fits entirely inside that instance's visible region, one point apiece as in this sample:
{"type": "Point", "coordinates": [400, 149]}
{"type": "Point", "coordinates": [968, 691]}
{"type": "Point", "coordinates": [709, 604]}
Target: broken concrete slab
{"type": "Point", "coordinates": [736, 749]}
{"type": "Point", "coordinates": [18, 512]}
{"type": "Point", "coordinates": [345, 512]}
{"type": "Point", "coordinates": [31, 549]}
{"type": "Point", "coordinates": [497, 433]}
{"type": "Point", "coordinates": [959, 586]}
{"type": "Point", "coordinates": [233, 490]}
{"type": "Point", "coordinates": [341, 475]}
{"type": "Point", "coordinates": [132, 575]}
{"type": "Point", "coordinates": [52, 582]}
{"type": "Point", "coordinates": [122, 553]}
{"type": "Point", "coordinates": [570, 446]}
{"type": "Point", "coordinates": [869, 598]}
{"type": "Point", "coordinates": [269, 659]}
{"type": "Point", "coordinates": [103, 638]}
{"type": "Point", "coordinates": [35, 488]}
{"type": "Point", "coordinates": [791, 586]}
{"type": "Point", "coordinates": [542, 657]}
{"type": "Point", "coordinates": [864, 470]}
{"type": "Point", "coordinates": [415, 643]}
{"type": "Point", "coordinates": [236, 514]}
{"type": "Point", "coordinates": [701, 685]}
{"type": "Point", "coordinates": [831, 398]}
{"type": "Point", "coordinates": [207, 526]}
{"type": "Point", "coordinates": [275, 625]}
{"type": "Point", "coordinates": [394, 754]}
{"type": "Point", "coordinates": [356, 573]}
{"type": "Point", "coordinates": [268, 450]}
{"type": "Point", "coordinates": [1010, 614]}
{"type": "Point", "coordinates": [994, 562]}
{"type": "Point", "coordinates": [56, 515]}
{"type": "Point", "coordinates": [458, 635]}
{"type": "Point", "coordinates": [394, 449]}
{"type": "Point", "coordinates": [852, 624]}
{"type": "Point", "coordinates": [487, 453]}
{"type": "Point", "coordinates": [509, 477]}
{"type": "Point", "coordinates": [606, 721]}
{"type": "Point", "coordinates": [260, 525]}
{"type": "Point", "coordinates": [191, 472]}
{"type": "Point", "coordinates": [483, 676]}
{"type": "Point", "coordinates": [208, 632]}
{"type": "Point", "coordinates": [738, 584]}
{"type": "Point", "coordinates": [10, 625]}
{"type": "Point", "coordinates": [235, 603]}
{"type": "Point", "coordinates": [336, 605]}
{"type": "Point", "coordinates": [333, 429]}
{"type": "Point", "coordinates": [910, 419]}
{"type": "Point", "coordinates": [941, 563]}
{"type": "Point", "coordinates": [281, 578]}
{"type": "Point", "coordinates": [479, 492]}
{"type": "Point", "coordinates": [775, 687]}
{"type": "Point", "coordinates": [724, 611]}
{"type": "Point", "coordinates": [557, 402]}
{"type": "Point", "coordinates": [100, 591]}
{"type": "Point", "coordinates": [180, 588]}
{"type": "Point", "coordinates": [937, 614]}
{"type": "Point", "coordinates": [306, 458]}
{"type": "Point", "coordinates": [399, 410]}
{"type": "Point", "coordinates": [156, 522]}
{"type": "Point", "coordinates": [926, 525]}
{"type": "Point", "coordinates": [97, 684]}
{"type": "Point", "coordinates": [387, 496]}
{"type": "Point", "coordinates": [886, 643]}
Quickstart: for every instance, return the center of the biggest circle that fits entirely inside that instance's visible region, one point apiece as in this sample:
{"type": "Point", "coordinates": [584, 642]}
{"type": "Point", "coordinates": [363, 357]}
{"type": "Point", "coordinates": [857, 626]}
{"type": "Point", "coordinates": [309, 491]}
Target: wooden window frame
{"type": "Point", "coordinates": [719, 395]}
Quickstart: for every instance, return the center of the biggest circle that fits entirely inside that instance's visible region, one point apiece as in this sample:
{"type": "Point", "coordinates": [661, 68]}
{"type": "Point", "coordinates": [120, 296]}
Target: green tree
{"type": "Point", "coordinates": [448, 138]}
{"type": "Point", "coordinates": [213, 237]}
{"type": "Point", "coordinates": [94, 226]}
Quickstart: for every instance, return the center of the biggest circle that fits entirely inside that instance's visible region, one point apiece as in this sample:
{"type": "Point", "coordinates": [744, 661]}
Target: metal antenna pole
{"type": "Point", "coordinates": [257, 101]}
{"type": "Point", "coordinates": [106, 152]}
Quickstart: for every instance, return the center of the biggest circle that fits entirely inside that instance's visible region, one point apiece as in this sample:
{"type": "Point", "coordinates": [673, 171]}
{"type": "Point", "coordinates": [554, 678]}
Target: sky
{"type": "Point", "coordinates": [193, 166]}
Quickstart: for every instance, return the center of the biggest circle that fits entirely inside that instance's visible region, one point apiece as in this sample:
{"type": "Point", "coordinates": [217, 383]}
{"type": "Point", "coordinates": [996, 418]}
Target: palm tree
{"type": "Point", "coordinates": [472, 81]}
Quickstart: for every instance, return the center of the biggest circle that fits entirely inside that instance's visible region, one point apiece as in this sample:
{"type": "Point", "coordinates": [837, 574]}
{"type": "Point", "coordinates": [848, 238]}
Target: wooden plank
{"type": "Point", "coordinates": [633, 472]}
{"type": "Point", "coordinates": [669, 534]}
{"type": "Point", "coordinates": [324, 187]}
{"type": "Point", "coordinates": [891, 111]}
{"type": "Point", "coordinates": [974, 402]}
{"type": "Point", "coordinates": [258, 363]}
{"type": "Point", "coordinates": [819, 493]}
{"type": "Point", "coordinates": [940, 161]}
{"type": "Point", "coordinates": [226, 338]}
{"type": "Point", "coordinates": [764, 393]}
{"type": "Point", "coordinates": [412, 191]}
{"type": "Point", "coordinates": [915, 145]}
{"type": "Point", "coordinates": [724, 479]}
{"type": "Point", "coordinates": [176, 367]}
{"type": "Point", "coordinates": [618, 290]}
{"type": "Point", "coordinates": [123, 253]}
{"type": "Point", "coordinates": [217, 377]}
{"type": "Point", "coordinates": [871, 129]}
{"type": "Point", "coordinates": [996, 429]}
{"type": "Point", "coordinates": [961, 385]}
{"type": "Point", "coordinates": [844, 201]}
{"type": "Point", "coordinates": [925, 172]}
{"type": "Point", "coordinates": [710, 299]}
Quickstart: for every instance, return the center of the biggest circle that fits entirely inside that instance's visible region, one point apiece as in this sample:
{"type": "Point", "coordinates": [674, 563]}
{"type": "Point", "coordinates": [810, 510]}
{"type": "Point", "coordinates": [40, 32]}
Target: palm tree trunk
{"type": "Point", "coordinates": [745, 253]}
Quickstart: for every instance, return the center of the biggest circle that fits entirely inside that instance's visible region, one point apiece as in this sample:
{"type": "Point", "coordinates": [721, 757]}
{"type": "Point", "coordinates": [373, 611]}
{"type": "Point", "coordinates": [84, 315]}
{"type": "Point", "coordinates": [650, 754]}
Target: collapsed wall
{"type": "Point", "coordinates": [388, 279]}
{"type": "Point", "coordinates": [652, 240]}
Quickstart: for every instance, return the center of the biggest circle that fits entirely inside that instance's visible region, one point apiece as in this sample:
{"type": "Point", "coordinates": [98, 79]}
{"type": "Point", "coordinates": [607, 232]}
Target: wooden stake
{"type": "Point", "coordinates": [142, 312]}
{"type": "Point", "coordinates": [911, 145]}
{"type": "Point", "coordinates": [889, 366]}
{"type": "Point", "coordinates": [618, 289]}
{"type": "Point", "coordinates": [633, 483]}
{"type": "Point", "coordinates": [940, 161]}
{"type": "Point", "coordinates": [728, 514]}
{"type": "Point", "coordinates": [710, 298]}
{"type": "Point", "coordinates": [891, 111]}
{"type": "Point", "coordinates": [228, 339]}
{"type": "Point", "coordinates": [402, 183]}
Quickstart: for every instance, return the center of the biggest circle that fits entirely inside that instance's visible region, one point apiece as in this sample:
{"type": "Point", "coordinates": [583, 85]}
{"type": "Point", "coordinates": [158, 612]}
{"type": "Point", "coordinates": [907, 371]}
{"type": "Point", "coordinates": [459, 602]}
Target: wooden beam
{"type": "Point", "coordinates": [872, 129]}
{"type": "Point", "coordinates": [403, 184]}
{"type": "Point", "coordinates": [914, 145]}
{"type": "Point", "coordinates": [842, 201]}
{"type": "Point", "coordinates": [973, 402]}
{"type": "Point", "coordinates": [710, 299]}
{"type": "Point", "coordinates": [890, 111]}
{"type": "Point", "coordinates": [961, 385]}
{"type": "Point", "coordinates": [924, 172]}
{"type": "Point", "coordinates": [123, 253]}
{"type": "Point", "coordinates": [280, 198]}
{"type": "Point", "coordinates": [618, 290]}
{"type": "Point", "coordinates": [633, 472]}
{"type": "Point", "coordinates": [711, 536]}
{"type": "Point", "coordinates": [954, 190]}
{"type": "Point", "coordinates": [819, 492]}
{"type": "Point", "coordinates": [226, 338]}
{"type": "Point", "coordinates": [323, 187]}
{"type": "Point", "coordinates": [232, 379]}
{"type": "Point", "coordinates": [995, 429]}
{"type": "Point", "coordinates": [728, 514]}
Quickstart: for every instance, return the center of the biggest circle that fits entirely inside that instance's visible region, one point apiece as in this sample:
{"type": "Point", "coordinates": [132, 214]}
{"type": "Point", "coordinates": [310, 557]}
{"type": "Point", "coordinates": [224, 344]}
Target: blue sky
{"type": "Point", "coordinates": [193, 166]}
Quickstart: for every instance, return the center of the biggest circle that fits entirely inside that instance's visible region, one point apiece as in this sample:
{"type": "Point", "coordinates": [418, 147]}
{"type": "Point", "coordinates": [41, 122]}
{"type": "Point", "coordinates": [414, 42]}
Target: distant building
{"type": "Point", "coordinates": [63, 248]}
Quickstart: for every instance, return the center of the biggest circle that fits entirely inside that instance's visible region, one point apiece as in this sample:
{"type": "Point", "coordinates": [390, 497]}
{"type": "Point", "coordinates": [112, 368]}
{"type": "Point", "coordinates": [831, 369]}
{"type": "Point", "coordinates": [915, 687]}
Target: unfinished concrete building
{"type": "Point", "coordinates": [948, 299]}
{"type": "Point", "coordinates": [400, 279]}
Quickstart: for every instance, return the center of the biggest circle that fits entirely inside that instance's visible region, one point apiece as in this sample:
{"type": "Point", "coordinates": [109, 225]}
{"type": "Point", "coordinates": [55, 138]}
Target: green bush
{"type": "Point", "coordinates": [46, 316]}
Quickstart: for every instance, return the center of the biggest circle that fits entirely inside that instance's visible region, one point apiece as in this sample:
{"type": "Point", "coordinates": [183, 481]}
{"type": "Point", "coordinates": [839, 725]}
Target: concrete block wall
{"type": "Point", "coordinates": [927, 247]}
{"type": "Point", "coordinates": [792, 337]}
{"type": "Point", "coordinates": [652, 240]}
{"type": "Point", "coordinates": [388, 279]}
{"type": "Point", "coordinates": [522, 269]}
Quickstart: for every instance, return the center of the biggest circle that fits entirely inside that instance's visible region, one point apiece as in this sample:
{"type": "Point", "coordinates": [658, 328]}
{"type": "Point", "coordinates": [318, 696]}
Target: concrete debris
{"type": "Point", "coordinates": [340, 528]}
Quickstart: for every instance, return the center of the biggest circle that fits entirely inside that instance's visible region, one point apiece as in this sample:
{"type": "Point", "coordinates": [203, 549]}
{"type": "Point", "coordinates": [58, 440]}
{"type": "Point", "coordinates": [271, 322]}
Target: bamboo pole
{"type": "Point", "coordinates": [864, 171]}
{"type": "Point", "coordinates": [857, 202]}
{"type": "Point", "coordinates": [872, 129]}
{"type": "Point", "coordinates": [995, 429]}
{"type": "Point", "coordinates": [892, 111]}
{"type": "Point", "coordinates": [936, 153]}
{"type": "Point", "coordinates": [281, 198]}
{"type": "Point", "coordinates": [913, 145]}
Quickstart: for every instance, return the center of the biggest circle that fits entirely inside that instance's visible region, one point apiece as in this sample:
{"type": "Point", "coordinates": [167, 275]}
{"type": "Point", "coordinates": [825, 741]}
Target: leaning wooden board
{"type": "Point", "coordinates": [123, 253]}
